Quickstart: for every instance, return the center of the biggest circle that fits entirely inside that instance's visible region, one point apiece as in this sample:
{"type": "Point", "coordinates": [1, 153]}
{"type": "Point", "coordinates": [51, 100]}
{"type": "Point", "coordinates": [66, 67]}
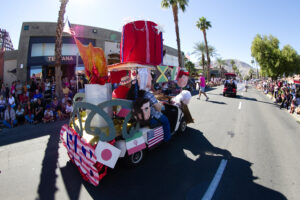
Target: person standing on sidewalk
{"type": "Point", "coordinates": [202, 86]}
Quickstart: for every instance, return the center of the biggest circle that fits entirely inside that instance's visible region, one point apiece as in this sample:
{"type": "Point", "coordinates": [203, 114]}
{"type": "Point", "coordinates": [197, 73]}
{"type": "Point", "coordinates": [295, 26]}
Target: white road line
{"type": "Point", "coordinates": [240, 105]}
{"type": "Point", "coordinates": [215, 182]}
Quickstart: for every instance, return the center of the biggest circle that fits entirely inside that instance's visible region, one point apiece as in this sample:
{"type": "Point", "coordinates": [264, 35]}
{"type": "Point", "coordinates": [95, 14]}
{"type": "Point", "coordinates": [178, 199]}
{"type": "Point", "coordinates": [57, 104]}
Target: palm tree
{"type": "Point", "coordinates": [199, 49]}
{"type": "Point", "coordinates": [252, 62]}
{"type": "Point", "coordinates": [232, 62]}
{"type": "Point", "coordinates": [251, 72]}
{"type": "Point", "coordinates": [175, 4]}
{"type": "Point", "coordinates": [58, 45]}
{"type": "Point", "coordinates": [221, 62]}
{"type": "Point", "coordinates": [204, 25]}
{"type": "Point", "coordinates": [212, 51]}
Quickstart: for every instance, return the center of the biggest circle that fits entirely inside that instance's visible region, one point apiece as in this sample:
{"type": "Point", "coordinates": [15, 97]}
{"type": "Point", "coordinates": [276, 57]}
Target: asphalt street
{"type": "Point", "coordinates": [238, 148]}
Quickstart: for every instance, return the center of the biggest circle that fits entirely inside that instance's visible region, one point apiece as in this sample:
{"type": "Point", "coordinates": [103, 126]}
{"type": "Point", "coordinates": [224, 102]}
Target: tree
{"type": "Point", "coordinates": [175, 4]}
{"type": "Point", "coordinates": [199, 50]}
{"type": "Point", "coordinates": [204, 25]}
{"type": "Point", "coordinates": [58, 45]}
{"type": "Point", "coordinates": [273, 61]}
{"type": "Point", "coordinates": [190, 66]}
{"type": "Point", "coordinates": [212, 51]}
{"type": "Point", "coordinates": [221, 62]}
{"type": "Point", "coordinates": [232, 62]}
{"type": "Point", "coordinates": [246, 77]}
{"type": "Point", "coordinates": [250, 73]}
{"type": "Point", "coordinates": [252, 62]}
{"type": "Point", "coordinates": [234, 68]}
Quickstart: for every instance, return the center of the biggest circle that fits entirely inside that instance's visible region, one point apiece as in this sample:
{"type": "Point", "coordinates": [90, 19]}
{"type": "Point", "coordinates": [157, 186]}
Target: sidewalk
{"type": "Point", "coordinates": [296, 116]}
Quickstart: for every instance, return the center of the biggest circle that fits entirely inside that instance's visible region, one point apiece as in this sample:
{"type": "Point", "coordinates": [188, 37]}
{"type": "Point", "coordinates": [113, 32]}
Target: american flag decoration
{"type": "Point", "coordinates": [155, 136]}
{"type": "Point", "coordinates": [81, 153]}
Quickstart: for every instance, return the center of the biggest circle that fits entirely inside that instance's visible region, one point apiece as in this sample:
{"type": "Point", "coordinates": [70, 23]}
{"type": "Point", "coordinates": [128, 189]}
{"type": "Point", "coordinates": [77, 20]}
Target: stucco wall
{"type": "Point", "coordinates": [9, 77]}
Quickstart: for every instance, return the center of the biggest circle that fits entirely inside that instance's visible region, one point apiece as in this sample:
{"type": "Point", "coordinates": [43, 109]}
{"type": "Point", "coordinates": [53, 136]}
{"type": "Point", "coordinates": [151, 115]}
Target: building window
{"type": "Point", "coordinates": [36, 71]}
{"type": "Point", "coordinates": [26, 28]}
{"type": "Point", "coordinates": [47, 49]}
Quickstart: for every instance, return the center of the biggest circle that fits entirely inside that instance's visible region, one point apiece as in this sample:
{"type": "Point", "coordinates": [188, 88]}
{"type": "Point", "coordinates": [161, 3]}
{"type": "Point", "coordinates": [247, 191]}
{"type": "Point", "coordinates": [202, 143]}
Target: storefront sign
{"type": "Point", "coordinates": [63, 58]}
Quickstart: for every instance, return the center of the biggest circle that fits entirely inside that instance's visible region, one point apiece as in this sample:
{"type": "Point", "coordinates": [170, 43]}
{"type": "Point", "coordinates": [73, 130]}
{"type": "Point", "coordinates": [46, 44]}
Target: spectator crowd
{"type": "Point", "coordinates": [35, 101]}
{"type": "Point", "coordinates": [287, 95]}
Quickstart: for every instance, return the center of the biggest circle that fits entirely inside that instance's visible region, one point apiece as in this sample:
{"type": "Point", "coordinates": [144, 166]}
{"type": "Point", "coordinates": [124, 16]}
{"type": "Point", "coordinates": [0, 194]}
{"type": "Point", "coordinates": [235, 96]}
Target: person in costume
{"type": "Point", "coordinates": [121, 91]}
{"type": "Point", "coordinates": [145, 80]}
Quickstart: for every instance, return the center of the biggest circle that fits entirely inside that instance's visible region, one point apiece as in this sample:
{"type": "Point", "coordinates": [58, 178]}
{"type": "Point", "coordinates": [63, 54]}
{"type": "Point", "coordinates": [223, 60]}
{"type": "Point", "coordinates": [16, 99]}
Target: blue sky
{"type": "Point", "coordinates": [234, 22]}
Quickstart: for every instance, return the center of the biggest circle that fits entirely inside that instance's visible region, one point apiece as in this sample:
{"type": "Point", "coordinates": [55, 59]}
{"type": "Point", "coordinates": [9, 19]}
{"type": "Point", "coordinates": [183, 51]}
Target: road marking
{"type": "Point", "coordinates": [215, 182]}
{"type": "Point", "coordinates": [240, 105]}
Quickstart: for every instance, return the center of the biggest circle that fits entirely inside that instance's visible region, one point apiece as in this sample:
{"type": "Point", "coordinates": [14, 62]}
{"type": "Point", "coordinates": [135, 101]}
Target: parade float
{"type": "Point", "coordinates": [105, 126]}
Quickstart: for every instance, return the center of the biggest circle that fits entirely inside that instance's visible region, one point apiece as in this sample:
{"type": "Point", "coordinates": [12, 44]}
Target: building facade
{"type": "Point", "coordinates": [35, 54]}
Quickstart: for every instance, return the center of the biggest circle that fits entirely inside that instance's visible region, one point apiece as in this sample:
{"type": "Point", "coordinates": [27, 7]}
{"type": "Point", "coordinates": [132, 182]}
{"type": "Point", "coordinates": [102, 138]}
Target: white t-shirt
{"type": "Point", "coordinates": [11, 100]}
{"type": "Point", "coordinates": [47, 86]}
{"type": "Point", "coordinates": [20, 112]}
{"type": "Point", "coordinates": [2, 102]}
{"type": "Point", "coordinates": [48, 113]}
{"type": "Point", "coordinates": [69, 109]}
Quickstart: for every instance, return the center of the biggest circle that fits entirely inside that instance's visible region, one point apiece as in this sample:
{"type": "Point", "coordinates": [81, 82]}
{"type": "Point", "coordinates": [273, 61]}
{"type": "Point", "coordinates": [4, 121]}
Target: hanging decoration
{"type": "Point", "coordinates": [162, 77]}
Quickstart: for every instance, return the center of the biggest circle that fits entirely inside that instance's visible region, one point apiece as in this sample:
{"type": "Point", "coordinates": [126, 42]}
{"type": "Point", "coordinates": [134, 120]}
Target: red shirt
{"type": "Point", "coordinates": [120, 92]}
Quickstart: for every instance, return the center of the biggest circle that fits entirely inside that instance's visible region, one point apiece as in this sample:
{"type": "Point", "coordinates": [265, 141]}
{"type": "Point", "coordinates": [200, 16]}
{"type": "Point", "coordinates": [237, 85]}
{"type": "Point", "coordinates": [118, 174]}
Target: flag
{"type": "Point", "coordinates": [135, 143]}
{"type": "Point", "coordinates": [68, 29]}
{"type": "Point", "coordinates": [107, 154]}
{"type": "Point", "coordinates": [155, 136]}
{"type": "Point", "coordinates": [81, 153]}
{"type": "Point", "coordinates": [162, 78]}
{"type": "Point", "coordinates": [174, 73]}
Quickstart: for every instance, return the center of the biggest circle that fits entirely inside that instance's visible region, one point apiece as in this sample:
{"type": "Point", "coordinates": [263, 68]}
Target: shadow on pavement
{"type": "Point", "coordinates": [254, 99]}
{"type": "Point", "coordinates": [47, 186]}
{"type": "Point", "coordinates": [28, 132]}
{"type": "Point", "coordinates": [216, 102]}
{"type": "Point", "coordinates": [180, 169]}
{"type": "Point", "coordinates": [207, 89]}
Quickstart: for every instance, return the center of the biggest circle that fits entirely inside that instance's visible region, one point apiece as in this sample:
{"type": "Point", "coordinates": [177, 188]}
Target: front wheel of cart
{"type": "Point", "coordinates": [135, 158]}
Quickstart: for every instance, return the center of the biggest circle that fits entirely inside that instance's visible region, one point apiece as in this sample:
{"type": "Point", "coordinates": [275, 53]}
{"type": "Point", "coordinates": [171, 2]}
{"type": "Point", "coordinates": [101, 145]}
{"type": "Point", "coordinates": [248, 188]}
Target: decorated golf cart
{"type": "Point", "coordinates": [111, 124]}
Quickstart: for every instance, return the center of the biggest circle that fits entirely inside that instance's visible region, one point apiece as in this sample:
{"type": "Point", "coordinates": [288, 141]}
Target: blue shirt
{"type": "Point", "coordinates": [156, 114]}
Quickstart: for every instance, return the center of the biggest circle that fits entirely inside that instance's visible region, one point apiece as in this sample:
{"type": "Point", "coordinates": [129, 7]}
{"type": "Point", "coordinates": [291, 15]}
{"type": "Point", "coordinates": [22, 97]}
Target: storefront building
{"type": "Point", "coordinates": [35, 54]}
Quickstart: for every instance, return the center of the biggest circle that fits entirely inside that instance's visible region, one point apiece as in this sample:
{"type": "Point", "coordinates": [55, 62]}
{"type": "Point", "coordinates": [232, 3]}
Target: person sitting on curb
{"type": "Point", "coordinates": [38, 111]}
{"type": "Point", "coordinates": [48, 114]}
{"type": "Point", "coordinates": [9, 117]}
{"type": "Point", "coordinates": [68, 109]}
{"type": "Point", "coordinates": [11, 101]}
{"type": "Point", "coordinates": [286, 100]}
{"type": "Point", "coordinates": [29, 112]}
{"type": "Point", "coordinates": [20, 114]}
